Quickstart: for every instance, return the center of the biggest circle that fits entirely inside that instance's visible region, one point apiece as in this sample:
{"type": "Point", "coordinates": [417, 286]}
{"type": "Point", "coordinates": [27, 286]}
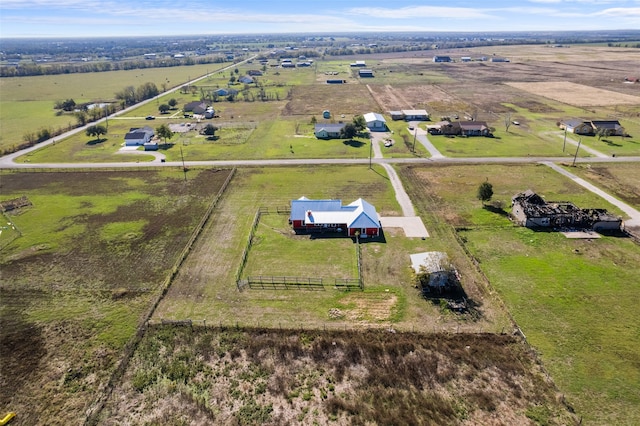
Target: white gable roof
{"type": "Point", "coordinates": [370, 117]}
{"type": "Point", "coordinates": [359, 214]}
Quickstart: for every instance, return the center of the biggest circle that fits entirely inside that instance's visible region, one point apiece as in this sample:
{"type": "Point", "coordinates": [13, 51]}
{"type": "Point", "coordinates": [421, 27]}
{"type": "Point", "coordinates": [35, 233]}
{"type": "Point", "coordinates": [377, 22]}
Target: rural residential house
{"type": "Point", "coordinates": [358, 218]}
{"type": "Point", "coordinates": [590, 127]}
{"type": "Point", "coordinates": [460, 128]}
{"type": "Point", "coordinates": [225, 92]}
{"type": "Point", "coordinates": [328, 130]}
{"type": "Point", "coordinates": [196, 107]}
{"type": "Point", "coordinates": [415, 114]}
{"type": "Point", "coordinates": [245, 79]}
{"type": "Point", "coordinates": [138, 136]}
{"type": "Point", "coordinates": [375, 122]}
{"type": "Point", "coordinates": [530, 210]}
{"type": "Point", "coordinates": [440, 58]}
{"type": "Point", "coordinates": [365, 73]}
{"type": "Point", "coordinates": [611, 127]}
{"type": "Point", "coordinates": [577, 126]}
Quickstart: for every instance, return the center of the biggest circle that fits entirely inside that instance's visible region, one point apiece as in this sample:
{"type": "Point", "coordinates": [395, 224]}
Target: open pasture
{"type": "Point", "coordinates": [312, 100]}
{"type": "Point", "coordinates": [573, 299]}
{"type": "Point", "coordinates": [620, 179]}
{"type": "Point", "coordinates": [26, 104]}
{"type": "Point", "coordinates": [93, 252]}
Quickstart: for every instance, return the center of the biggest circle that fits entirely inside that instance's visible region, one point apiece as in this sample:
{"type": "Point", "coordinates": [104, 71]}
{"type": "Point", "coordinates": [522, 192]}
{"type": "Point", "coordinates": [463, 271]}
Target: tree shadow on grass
{"type": "Point", "coordinates": [611, 143]}
{"type": "Point", "coordinates": [353, 143]}
{"type": "Point", "coordinates": [496, 209]}
{"type": "Point", "coordinates": [96, 142]}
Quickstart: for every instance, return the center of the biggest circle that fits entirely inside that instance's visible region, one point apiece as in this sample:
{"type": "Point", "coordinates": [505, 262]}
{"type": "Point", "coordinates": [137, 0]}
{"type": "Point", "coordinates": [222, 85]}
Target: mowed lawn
{"type": "Point", "coordinates": [575, 300]}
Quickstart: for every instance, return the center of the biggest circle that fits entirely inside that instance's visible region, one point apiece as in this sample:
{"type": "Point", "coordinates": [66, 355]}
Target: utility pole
{"type": "Point", "coordinates": [184, 168]}
{"type": "Point", "coordinates": [415, 133]}
{"type": "Point", "coordinates": [574, 157]}
{"type": "Point", "coordinates": [370, 149]}
{"type": "Point", "coordinates": [565, 138]}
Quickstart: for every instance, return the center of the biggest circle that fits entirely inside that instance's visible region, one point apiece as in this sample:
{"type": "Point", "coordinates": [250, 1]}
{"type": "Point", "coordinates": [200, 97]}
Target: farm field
{"type": "Point", "coordinates": [573, 299]}
{"type": "Point", "coordinates": [27, 103]}
{"type": "Point", "coordinates": [86, 264]}
{"type": "Point", "coordinates": [491, 92]}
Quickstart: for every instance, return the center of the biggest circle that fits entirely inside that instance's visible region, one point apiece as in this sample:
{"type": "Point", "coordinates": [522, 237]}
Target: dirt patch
{"type": "Point", "coordinates": [368, 309]}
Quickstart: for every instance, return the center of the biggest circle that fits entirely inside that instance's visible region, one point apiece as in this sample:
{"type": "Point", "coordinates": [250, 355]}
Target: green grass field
{"type": "Point", "coordinates": [27, 103]}
{"type": "Point", "coordinates": [91, 256]}
{"type": "Point", "coordinates": [574, 299]}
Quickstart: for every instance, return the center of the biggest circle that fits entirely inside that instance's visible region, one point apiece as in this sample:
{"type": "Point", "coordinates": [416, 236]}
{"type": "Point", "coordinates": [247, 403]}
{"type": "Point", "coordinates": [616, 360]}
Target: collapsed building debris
{"type": "Point", "coordinates": [531, 210]}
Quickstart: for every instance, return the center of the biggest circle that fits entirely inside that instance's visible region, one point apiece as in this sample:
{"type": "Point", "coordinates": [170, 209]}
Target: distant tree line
{"type": "Point", "coordinates": [31, 69]}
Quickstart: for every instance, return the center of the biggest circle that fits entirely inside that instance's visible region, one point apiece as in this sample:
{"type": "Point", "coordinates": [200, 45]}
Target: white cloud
{"type": "Point", "coordinates": [419, 12]}
{"type": "Point", "coordinates": [622, 12]}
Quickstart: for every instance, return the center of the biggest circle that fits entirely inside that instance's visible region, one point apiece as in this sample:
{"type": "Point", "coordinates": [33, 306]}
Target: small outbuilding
{"type": "Point", "coordinates": [375, 122]}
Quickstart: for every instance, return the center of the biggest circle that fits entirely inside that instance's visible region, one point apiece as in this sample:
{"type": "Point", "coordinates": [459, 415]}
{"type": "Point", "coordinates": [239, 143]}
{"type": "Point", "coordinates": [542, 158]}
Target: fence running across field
{"type": "Point", "coordinates": [94, 411]}
{"type": "Point", "coordinates": [286, 282]}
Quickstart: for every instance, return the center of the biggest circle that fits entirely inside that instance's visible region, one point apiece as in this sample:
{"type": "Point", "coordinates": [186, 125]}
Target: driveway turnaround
{"type": "Point", "coordinates": [412, 226]}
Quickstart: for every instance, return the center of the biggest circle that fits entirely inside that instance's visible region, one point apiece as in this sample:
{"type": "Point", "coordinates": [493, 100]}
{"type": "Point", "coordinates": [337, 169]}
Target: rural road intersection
{"type": "Point", "coordinates": [8, 162]}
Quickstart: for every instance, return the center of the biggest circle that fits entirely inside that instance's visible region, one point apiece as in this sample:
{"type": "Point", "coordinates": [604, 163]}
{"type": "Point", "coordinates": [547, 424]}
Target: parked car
{"type": "Point", "coordinates": [150, 117]}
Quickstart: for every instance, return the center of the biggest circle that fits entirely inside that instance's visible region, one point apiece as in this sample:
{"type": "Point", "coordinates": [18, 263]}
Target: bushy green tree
{"type": "Point", "coordinates": [96, 131]}
{"type": "Point", "coordinates": [164, 132]}
{"type": "Point", "coordinates": [485, 191]}
{"type": "Point", "coordinates": [209, 130]}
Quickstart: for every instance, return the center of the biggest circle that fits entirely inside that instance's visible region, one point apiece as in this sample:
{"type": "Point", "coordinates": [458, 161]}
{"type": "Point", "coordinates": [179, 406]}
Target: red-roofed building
{"type": "Point", "coordinates": [358, 218]}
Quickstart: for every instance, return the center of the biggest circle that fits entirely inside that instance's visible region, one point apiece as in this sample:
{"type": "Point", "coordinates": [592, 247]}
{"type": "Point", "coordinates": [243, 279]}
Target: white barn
{"type": "Point", "coordinates": [375, 122]}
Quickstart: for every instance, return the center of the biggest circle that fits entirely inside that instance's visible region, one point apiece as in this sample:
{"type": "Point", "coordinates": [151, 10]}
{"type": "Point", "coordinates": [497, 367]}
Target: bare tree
{"type": "Point", "coordinates": [507, 121]}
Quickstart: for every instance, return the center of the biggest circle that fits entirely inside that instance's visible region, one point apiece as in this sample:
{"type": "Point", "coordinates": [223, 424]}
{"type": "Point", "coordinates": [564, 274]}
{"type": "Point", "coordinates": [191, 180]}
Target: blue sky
{"type": "Point", "coordinates": [81, 18]}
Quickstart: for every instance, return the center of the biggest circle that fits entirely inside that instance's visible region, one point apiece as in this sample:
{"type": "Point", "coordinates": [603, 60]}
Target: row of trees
{"type": "Point", "coordinates": [131, 96]}
{"type": "Point", "coordinates": [31, 69]}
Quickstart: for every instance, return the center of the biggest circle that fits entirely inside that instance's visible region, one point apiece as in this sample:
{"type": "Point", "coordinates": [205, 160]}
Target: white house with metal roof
{"type": "Point", "coordinates": [138, 136]}
{"type": "Point", "coordinates": [375, 122]}
{"type": "Point", "coordinates": [328, 130]}
{"type": "Point", "coordinates": [358, 218]}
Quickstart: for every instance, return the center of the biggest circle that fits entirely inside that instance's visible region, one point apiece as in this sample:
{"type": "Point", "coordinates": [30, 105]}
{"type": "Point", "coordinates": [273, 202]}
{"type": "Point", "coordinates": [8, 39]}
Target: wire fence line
{"type": "Point", "coordinates": [275, 282]}
{"type": "Point", "coordinates": [338, 325]}
{"type": "Point", "coordinates": [93, 413]}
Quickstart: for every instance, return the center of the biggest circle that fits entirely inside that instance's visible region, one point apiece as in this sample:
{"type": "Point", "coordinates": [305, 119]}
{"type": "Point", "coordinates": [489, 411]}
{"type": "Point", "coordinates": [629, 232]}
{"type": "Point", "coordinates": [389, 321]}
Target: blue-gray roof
{"type": "Point", "coordinates": [329, 127]}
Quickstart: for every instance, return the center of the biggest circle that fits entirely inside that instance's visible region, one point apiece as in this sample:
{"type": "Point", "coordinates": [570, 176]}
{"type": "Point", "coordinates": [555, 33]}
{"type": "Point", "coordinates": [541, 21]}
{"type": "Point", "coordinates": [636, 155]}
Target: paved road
{"type": "Point", "coordinates": [8, 159]}
{"type": "Point", "coordinates": [629, 211]}
{"type": "Point", "coordinates": [7, 162]}
{"type": "Point", "coordinates": [591, 151]}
